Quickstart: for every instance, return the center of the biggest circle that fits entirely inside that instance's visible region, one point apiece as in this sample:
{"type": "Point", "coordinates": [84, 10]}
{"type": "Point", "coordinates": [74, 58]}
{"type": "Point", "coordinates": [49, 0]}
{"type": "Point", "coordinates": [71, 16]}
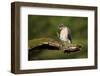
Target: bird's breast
{"type": "Point", "coordinates": [64, 34]}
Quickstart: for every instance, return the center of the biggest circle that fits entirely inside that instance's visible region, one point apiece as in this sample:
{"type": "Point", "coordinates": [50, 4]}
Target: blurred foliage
{"type": "Point", "coordinates": [47, 26]}
{"type": "Point", "coordinates": [40, 26]}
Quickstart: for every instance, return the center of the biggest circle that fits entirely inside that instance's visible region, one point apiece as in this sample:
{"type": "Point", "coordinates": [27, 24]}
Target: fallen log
{"type": "Point", "coordinates": [51, 44]}
{"type": "Point", "coordinates": [42, 42]}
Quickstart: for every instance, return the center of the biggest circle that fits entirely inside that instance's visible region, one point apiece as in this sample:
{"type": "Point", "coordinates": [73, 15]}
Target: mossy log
{"type": "Point", "coordinates": [48, 43]}
{"type": "Point", "coordinates": [43, 41]}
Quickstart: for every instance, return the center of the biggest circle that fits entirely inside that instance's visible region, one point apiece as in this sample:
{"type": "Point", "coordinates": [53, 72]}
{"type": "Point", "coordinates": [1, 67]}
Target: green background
{"type": "Point", "coordinates": [47, 26]}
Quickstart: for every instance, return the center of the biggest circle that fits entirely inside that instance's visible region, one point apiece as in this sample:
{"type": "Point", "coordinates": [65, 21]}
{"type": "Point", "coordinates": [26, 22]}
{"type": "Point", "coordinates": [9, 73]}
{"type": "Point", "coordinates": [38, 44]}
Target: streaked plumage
{"type": "Point", "coordinates": [65, 34]}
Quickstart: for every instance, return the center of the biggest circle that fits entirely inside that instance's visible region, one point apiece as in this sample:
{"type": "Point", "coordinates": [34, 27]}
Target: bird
{"type": "Point", "coordinates": [65, 34]}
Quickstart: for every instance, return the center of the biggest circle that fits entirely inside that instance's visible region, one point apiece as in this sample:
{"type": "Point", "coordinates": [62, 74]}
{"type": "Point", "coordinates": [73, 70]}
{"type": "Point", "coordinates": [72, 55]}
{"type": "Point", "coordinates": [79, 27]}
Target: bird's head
{"type": "Point", "coordinates": [60, 27]}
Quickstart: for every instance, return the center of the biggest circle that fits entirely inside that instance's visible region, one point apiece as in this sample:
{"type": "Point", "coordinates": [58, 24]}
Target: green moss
{"type": "Point", "coordinates": [35, 42]}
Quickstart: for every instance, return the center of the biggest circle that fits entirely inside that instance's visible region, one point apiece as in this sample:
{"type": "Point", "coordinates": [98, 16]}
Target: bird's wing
{"type": "Point", "coordinates": [69, 35]}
